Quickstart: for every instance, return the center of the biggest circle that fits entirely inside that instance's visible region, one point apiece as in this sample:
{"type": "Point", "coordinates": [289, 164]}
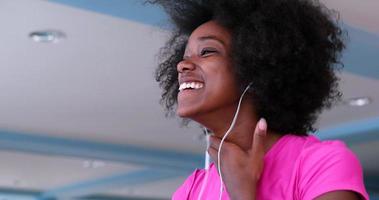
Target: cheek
{"type": "Point", "coordinates": [223, 84]}
{"type": "Point", "coordinates": [224, 75]}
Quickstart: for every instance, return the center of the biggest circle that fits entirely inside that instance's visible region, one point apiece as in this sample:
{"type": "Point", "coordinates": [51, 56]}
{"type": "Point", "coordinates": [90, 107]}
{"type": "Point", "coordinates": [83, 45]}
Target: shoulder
{"type": "Point", "coordinates": [326, 166]}
{"type": "Point", "coordinates": [315, 151]}
{"type": "Point", "coordinates": [318, 155]}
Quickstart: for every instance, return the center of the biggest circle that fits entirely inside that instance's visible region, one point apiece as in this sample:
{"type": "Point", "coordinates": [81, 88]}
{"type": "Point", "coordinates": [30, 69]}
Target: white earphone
{"type": "Point", "coordinates": [219, 149]}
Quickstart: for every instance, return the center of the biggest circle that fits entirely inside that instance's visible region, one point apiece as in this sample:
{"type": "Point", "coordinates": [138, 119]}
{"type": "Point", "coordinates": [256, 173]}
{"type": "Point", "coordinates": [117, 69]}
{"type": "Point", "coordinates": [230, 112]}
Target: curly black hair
{"type": "Point", "coordinates": [289, 49]}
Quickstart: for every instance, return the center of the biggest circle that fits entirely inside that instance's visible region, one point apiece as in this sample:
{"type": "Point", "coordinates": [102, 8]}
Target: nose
{"type": "Point", "coordinates": [185, 65]}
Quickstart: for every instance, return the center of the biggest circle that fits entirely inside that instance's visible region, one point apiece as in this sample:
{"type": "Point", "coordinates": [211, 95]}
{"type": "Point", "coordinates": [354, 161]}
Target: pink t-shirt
{"type": "Point", "coordinates": [296, 167]}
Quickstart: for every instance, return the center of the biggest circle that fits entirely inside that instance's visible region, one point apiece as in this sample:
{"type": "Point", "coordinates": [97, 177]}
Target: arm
{"type": "Point", "coordinates": [339, 195]}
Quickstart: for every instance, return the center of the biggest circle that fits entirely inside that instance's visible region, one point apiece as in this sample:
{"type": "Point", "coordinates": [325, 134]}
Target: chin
{"type": "Point", "coordinates": [186, 112]}
{"type": "Point", "coordinates": [193, 115]}
{"type": "Point", "coordinates": [183, 113]}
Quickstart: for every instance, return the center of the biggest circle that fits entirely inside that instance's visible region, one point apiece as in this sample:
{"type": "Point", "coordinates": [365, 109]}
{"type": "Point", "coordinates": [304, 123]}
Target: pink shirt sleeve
{"type": "Point", "coordinates": [329, 166]}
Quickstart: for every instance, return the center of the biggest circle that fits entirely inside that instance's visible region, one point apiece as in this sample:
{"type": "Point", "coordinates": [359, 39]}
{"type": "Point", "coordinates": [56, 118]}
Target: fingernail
{"type": "Point", "coordinates": [262, 124]}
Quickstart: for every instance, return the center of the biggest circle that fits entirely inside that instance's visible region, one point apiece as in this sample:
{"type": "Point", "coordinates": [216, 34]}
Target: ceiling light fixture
{"type": "Point", "coordinates": [93, 164]}
{"type": "Point", "coordinates": [47, 36]}
{"type": "Point", "coordinates": [359, 101]}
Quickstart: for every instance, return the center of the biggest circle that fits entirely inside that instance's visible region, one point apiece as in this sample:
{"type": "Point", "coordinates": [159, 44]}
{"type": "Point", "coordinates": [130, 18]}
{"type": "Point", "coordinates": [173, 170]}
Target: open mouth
{"type": "Point", "coordinates": [191, 86]}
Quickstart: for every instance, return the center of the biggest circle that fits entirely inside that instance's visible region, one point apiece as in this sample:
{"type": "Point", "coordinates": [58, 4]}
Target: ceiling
{"type": "Point", "coordinates": [81, 118]}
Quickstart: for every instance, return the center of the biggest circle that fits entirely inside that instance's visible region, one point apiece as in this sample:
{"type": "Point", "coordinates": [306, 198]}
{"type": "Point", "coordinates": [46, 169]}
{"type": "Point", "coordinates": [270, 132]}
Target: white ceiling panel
{"type": "Point", "coordinates": [363, 14]}
{"type": "Point", "coordinates": [43, 172]}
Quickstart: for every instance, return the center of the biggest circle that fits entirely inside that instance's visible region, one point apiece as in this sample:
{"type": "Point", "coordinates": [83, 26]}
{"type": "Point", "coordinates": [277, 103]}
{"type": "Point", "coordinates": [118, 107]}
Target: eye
{"type": "Point", "coordinates": [207, 51]}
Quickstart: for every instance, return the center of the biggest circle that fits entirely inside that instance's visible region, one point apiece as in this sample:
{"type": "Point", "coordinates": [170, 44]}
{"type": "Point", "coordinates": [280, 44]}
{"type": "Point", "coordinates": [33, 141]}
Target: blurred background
{"type": "Point", "coordinates": [79, 108]}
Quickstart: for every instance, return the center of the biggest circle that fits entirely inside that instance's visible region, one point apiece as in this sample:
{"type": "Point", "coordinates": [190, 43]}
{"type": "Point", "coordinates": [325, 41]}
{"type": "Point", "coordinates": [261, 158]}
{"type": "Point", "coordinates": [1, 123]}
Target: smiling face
{"type": "Point", "coordinates": [206, 78]}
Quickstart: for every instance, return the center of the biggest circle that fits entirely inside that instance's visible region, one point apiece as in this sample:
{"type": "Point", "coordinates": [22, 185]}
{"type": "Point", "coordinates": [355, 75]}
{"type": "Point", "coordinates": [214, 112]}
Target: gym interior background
{"type": "Point", "coordinates": [79, 111]}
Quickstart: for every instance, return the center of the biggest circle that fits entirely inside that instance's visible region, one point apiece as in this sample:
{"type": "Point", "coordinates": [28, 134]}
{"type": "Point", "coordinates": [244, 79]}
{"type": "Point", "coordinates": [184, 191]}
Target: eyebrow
{"type": "Point", "coordinates": [212, 37]}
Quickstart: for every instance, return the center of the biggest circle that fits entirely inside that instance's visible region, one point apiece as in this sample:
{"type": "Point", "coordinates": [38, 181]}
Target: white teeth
{"type": "Point", "coordinates": [192, 85]}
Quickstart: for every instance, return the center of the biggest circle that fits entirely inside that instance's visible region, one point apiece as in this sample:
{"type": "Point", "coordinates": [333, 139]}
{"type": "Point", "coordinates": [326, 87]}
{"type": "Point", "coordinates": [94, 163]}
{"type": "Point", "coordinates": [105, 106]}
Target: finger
{"type": "Point", "coordinates": [259, 137]}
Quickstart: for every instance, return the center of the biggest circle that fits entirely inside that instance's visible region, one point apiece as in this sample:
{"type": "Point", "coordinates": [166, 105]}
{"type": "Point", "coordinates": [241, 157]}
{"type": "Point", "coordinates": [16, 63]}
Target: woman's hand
{"type": "Point", "coordinates": [241, 169]}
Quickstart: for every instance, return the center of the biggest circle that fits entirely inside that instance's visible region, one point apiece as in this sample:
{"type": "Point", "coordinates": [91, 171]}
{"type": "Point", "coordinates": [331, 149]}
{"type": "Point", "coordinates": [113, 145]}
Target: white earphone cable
{"type": "Point", "coordinates": [206, 166]}
{"type": "Point", "coordinates": [222, 141]}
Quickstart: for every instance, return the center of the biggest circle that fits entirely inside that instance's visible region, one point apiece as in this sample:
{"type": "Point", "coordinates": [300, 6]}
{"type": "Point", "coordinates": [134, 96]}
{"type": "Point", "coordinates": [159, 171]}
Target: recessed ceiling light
{"type": "Point", "coordinates": [93, 164]}
{"type": "Point", "coordinates": [47, 36]}
{"type": "Point", "coordinates": [359, 101]}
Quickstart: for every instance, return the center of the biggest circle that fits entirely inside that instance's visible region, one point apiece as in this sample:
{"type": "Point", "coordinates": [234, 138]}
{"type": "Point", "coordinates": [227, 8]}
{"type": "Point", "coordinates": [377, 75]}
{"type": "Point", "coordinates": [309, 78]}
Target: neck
{"type": "Point", "coordinates": [242, 133]}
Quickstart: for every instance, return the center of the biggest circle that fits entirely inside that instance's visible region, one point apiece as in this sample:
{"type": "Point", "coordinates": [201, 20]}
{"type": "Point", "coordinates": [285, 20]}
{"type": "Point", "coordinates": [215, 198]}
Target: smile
{"type": "Point", "coordinates": [190, 85]}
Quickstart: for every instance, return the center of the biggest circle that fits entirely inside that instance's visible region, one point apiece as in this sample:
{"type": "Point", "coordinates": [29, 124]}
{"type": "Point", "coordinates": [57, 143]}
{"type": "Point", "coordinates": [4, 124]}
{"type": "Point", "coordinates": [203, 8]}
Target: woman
{"type": "Point", "coordinates": [268, 66]}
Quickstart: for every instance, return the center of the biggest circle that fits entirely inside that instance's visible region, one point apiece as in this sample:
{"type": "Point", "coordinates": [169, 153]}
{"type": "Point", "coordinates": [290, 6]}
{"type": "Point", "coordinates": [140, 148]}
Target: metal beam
{"type": "Point", "coordinates": [101, 197]}
{"type": "Point", "coordinates": [126, 9]}
{"type": "Point", "coordinates": [15, 194]}
{"type": "Point", "coordinates": [353, 132]}
{"type": "Point", "coordinates": [147, 157]}
{"type": "Point", "coordinates": [91, 187]}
